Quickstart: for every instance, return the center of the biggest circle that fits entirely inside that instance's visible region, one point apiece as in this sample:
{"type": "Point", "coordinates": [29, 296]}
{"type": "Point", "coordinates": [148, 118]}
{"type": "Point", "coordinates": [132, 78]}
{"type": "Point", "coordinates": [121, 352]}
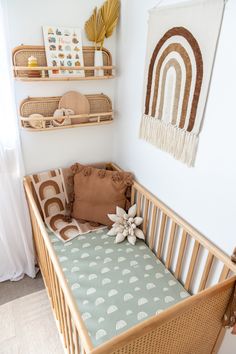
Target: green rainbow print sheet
{"type": "Point", "coordinates": [116, 286]}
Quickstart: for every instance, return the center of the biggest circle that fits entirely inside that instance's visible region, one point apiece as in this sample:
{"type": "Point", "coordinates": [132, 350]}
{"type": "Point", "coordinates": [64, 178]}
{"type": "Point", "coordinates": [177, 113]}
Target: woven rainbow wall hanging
{"type": "Point", "coordinates": [182, 41]}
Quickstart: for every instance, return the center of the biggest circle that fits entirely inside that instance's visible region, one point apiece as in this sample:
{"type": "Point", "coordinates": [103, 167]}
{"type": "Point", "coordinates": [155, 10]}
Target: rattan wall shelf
{"type": "Point", "coordinates": [22, 53]}
{"type": "Point", "coordinates": [100, 112]}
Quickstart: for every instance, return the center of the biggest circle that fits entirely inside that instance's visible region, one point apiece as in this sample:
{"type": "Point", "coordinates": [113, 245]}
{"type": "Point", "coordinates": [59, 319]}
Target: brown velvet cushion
{"type": "Point", "coordinates": [68, 177]}
{"type": "Point", "coordinates": [97, 192]}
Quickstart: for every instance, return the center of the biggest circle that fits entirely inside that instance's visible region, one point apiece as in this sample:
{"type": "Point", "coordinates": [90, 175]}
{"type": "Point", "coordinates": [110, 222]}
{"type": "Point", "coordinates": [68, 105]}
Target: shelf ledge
{"type": "Point", "coordinates": [67, 78]}
{"type": "Point", "coordinates": [41, 68]}
{"type": "Point", "coordinates": [105, 122]}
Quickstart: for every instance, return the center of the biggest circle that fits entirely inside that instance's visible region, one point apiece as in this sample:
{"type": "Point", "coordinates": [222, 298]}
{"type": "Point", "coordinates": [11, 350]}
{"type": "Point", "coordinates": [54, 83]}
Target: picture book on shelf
{"type": "Point", "coordinates": [63, 47]}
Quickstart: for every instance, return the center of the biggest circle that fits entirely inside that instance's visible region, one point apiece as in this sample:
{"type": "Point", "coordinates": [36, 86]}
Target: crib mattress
{"type": "Point", "coordinates": [116, 286]}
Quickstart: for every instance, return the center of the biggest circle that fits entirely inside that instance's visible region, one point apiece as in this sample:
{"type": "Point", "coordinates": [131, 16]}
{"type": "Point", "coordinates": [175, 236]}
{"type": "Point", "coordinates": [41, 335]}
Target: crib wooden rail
{"type": "Point", "coordinates": [70, 324]}
{"type": "Point", "coordinates": [192, 326]}
{"type": "Point", "coordinates": [195, 261]}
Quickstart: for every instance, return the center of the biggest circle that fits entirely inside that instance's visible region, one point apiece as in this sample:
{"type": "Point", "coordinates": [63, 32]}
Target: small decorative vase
{"type": "Point", "coordinates": [98, 61]}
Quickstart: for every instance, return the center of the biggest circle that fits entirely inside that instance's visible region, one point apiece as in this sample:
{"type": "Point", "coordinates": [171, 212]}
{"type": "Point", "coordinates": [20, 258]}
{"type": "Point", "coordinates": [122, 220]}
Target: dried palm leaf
{"type": "Point", "coordinates": [110, 11]}
{"type": "Point", "coordinates": [95, 28]}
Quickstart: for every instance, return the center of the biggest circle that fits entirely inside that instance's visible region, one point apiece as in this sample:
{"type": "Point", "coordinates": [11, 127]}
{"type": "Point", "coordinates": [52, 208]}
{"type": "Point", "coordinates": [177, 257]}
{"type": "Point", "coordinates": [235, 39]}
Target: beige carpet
{"type": "Point", "coordinates": [27, 326]}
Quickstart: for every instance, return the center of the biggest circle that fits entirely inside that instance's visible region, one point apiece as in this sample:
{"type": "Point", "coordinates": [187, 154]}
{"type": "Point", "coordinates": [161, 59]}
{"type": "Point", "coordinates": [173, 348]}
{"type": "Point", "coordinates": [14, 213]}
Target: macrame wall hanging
{"type": "Point", "coordinates": [182, 41]}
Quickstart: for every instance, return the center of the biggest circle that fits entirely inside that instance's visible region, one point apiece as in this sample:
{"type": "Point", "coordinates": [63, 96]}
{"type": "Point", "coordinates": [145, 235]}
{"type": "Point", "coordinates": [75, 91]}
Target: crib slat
{"type": "Point", "coordinates": [139, 201]}
{"type": "Point", "coordinates": [180, 255]}
{"type": "Point", "coordinates": [42, 258]}
{"type": "Point", "coordinates": [59, 305]}
{"type": "Point", "coordinates": [49, 277]}
{"type": "Point", "coordinates": [45, 265]}
{"type": "Point", "coordinates": [161, 235]}
{"type": "Point", "coordinates": [70, 339]}
{"type": "Point", "coordinates": [37, 244]}
{"type": "Point", "coordinates": [224, 274]}
{"type": "Point", "coordinates": [153, 227]}
{"type": "Point", "coordinates": [40, 253]}
{"type": "Point", "coordinates": [56, 300]}
{"type": "Point", "coordinates": [206, 272]}
{"type": "Point", "coordinates": [56, 297]}
{"type": "Point", "coordinates": [76, 339]}
{"type": "Point", "coordinates": [36, 241]}
{"type": "Point", "coordinates": [53, 288]}
{"type": "Point", "coordinates": [192, 265]}
{"type": "Point", "coordinates": [72, 348]}
{"type": "Point", "coordinates": [63, 319]}
{"type": "Point", "coordinates": [145, 215]}
{"type": "Point", "coordinates": [171, 245]}
{"type": "Point", "coordinates": [132, 195]}
{"type": "Point", "coordinates": [65, 329]}
{"type": "Point", "coordinates": [51, 283]}
{"type": "Point", "coordinates": [48, 274]}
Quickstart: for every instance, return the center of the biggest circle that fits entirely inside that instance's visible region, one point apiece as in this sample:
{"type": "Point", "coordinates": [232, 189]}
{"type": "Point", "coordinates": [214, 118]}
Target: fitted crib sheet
{"type": "Point", "coordinates": [116, 286]}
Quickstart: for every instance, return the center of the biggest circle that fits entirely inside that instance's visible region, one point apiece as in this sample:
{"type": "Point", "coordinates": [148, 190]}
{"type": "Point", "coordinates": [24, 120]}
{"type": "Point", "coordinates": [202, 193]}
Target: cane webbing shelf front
{"type": "Point", "coordinates": [100, 112]}
{"type": "Point", "coordinates": [21, 54]}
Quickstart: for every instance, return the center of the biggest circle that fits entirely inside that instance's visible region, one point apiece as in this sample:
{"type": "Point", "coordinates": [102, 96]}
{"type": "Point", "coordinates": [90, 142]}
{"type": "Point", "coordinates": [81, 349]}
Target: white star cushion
{"type": "Point", "coordinates": [125, 225]}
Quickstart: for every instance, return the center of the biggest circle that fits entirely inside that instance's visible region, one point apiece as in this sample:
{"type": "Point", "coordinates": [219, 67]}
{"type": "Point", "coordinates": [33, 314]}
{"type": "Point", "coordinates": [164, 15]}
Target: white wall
{"type": "Point", "coordinates": [43, 150]}
{"type": "Point", "coordinates": [205, 195]}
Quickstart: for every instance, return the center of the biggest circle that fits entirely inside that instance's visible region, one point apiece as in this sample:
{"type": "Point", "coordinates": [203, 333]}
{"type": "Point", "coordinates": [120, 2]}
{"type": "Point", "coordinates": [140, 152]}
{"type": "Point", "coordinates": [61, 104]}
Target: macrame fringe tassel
{"type": "Point", "coordinates": [181, 144]}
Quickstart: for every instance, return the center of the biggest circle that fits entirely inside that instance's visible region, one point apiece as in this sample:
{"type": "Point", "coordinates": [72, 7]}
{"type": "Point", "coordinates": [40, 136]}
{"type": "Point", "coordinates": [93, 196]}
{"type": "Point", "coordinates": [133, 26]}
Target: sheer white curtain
{"type": "Point", "coordinates": [16, 248]}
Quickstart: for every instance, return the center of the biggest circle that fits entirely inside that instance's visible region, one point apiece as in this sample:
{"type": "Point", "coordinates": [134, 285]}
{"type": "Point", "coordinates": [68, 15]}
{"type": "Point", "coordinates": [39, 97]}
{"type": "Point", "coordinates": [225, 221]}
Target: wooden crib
{"type": "Point", "coordinates": [193, 326]}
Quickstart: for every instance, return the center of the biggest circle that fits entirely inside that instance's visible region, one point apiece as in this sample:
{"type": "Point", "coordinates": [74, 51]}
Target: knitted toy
{"type": "Point", "coordinates": [125, 225]}
{"type": "Point", "coordinates": [62, 112]}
